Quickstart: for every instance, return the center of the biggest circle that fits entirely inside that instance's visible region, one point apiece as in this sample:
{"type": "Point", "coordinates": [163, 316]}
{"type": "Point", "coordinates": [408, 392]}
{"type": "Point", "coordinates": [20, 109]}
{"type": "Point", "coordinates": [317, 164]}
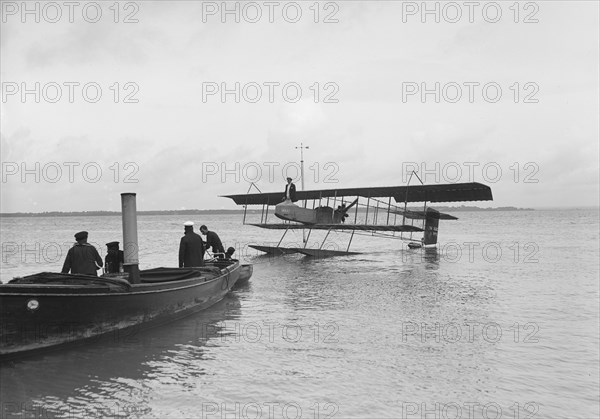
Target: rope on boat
{"type": "Point", "coordinates": [226, 279]}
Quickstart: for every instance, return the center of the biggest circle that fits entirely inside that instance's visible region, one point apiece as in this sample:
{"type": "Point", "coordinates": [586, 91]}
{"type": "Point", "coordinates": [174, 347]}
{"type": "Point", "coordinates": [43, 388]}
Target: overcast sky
{"type": "Point", "coordinates": [517, 100]}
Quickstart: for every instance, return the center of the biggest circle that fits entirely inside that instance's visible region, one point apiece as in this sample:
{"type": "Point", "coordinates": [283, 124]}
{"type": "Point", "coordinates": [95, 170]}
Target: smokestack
{"type": "Point", "coordinates": [130, 237]}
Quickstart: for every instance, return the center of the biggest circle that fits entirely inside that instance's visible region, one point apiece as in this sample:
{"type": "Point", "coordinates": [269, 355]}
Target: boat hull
{"type": "Point", "coordinates": [245, 274]}
{"type": "Point", "coordinates": [38, 317]}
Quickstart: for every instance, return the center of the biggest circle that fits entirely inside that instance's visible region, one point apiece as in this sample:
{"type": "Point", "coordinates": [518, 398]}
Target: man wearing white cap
{"type": "Point", "coordinates": [290, 191]}
{"type": "Point", "coordinates": [191, 247]}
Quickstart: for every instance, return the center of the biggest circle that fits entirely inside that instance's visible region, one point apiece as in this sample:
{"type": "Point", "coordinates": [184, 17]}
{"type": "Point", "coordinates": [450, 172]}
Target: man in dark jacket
{"type": "Point", "coordinates": [114, 258]}
{"type": "Point", "coordinates": [191, 248]}
{"type": "Point", "coordinates": [213, 240]}
{"type": "Point", "coordinates": [290, 191]}
{"type": "Point", "coordinates": [82, 258]}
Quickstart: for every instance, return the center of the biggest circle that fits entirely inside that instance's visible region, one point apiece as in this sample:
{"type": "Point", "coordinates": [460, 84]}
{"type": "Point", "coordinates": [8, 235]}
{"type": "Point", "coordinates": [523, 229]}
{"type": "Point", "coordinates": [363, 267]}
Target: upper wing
{"type": "Point", "coordinates": [453, 192]}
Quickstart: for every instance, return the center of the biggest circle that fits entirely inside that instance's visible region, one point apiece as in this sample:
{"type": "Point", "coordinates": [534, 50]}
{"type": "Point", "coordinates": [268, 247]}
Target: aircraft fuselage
{"type": "Point", "coordinates": [321, 215]}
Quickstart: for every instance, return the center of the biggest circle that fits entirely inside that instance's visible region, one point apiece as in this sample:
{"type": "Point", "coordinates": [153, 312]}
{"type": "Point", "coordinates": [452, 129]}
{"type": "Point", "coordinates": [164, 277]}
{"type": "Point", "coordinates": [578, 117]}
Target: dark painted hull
{"type": "Point", "coordinates": [67, 314]}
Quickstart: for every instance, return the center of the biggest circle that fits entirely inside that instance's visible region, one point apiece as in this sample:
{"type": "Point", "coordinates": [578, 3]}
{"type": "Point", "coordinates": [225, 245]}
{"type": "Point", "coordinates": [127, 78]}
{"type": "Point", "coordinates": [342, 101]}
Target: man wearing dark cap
{"type": "Point", "coordinates": [191, 248]}
{"type": "Point", "coordinates": [213, 240]}
{"type": "Point", "coordinates": [82, 258]}
{"type": "Point", "coordinates": [290, 191]}
{"type": "Point", "coordinates": [114, 258]}
{"type": "Point", "coordinates": [229, 253]}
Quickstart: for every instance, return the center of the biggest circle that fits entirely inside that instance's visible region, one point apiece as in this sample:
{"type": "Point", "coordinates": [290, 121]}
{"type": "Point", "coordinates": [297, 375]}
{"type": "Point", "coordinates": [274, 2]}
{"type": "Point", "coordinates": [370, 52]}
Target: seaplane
{"type": "Point", "coordinates": [377, 211]}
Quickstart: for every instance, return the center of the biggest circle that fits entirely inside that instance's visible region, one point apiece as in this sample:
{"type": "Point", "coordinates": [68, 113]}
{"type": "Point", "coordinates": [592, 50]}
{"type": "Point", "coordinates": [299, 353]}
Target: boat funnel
{"type": "Point", "coordinates": [130, 237]}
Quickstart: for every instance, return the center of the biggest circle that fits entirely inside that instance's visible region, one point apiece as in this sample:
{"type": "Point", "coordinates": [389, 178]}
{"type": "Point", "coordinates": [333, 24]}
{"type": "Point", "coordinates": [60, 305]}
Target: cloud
{"type": "Point", "coordinates": [171, 131]}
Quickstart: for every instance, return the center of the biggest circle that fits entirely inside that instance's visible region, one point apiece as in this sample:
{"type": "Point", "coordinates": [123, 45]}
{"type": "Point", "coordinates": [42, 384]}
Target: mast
{"type": "Point", "coordinates": [302, 147]}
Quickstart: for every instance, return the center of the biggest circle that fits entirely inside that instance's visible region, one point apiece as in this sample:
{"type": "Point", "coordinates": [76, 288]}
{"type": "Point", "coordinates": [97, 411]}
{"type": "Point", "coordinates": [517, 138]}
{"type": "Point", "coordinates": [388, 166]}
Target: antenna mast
{"type": "Point", "coordinates": [302, 147]}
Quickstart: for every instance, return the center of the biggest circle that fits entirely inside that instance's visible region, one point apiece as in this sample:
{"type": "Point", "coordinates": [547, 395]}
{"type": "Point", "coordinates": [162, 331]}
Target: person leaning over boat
{"type": "Point", "coordinates": [191, 248]}
{"type": "Point", "coordinates": [82, 258]}
{"type": "Point", "coordinates": [213, 240]}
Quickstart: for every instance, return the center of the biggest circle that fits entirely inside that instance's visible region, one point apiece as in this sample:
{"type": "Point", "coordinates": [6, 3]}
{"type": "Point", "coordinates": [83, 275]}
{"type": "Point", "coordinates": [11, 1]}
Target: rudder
{"type": "Point", "coordinates": [432, 220]}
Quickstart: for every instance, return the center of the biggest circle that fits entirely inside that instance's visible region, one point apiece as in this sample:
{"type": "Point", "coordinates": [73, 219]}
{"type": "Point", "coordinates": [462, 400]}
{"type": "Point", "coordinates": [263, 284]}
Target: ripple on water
{"type": "Point", "coordinates": [362, 335]}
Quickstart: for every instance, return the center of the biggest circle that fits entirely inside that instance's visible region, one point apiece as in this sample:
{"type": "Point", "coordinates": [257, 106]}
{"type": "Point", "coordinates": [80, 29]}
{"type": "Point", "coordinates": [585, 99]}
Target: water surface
{"type": "Point", "coordinates": [500, 322]}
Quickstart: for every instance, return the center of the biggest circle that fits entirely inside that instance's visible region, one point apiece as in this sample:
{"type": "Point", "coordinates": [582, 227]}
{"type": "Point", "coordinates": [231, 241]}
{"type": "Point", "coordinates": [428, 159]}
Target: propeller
{"type": "Point", "coordinates": [345, 209]}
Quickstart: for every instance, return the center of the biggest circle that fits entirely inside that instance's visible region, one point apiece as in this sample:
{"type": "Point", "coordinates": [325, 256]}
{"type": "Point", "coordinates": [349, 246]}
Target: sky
{"type": "Point", "coordinates": [184, 101]}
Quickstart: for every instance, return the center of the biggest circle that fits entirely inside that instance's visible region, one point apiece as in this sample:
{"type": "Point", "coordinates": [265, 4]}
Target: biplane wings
{"type": "Point", "coordinates": [455, 192]}
{"type": "Point", "coordinates": [331, 216]}
{"type": "Point", "coordinates": [350, 227]}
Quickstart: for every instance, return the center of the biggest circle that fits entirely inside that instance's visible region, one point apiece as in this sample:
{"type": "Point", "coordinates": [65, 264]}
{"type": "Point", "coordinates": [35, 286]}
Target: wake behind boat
{"type": "Point", "coordinates": [48, 310]}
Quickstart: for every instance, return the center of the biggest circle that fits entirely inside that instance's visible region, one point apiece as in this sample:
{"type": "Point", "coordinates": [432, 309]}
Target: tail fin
{"type": "Point", "coordinates": [432, 220]}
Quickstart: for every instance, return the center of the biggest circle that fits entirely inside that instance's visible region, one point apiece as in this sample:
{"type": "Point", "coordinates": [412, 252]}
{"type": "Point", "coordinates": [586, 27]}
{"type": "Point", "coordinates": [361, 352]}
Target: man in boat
{"type": "Point", "coordinates": [213, 240]}
{"type": "Point", "coordinates": [229, 253]}
{"type": "Point", "coordinates": [191, 248]}
{"type": "Point", "coordinates": [290, 191]}
{"type": "Point", "coordinates": [114, 258]}
{"type": "Point", "coordinates": [82, 258]}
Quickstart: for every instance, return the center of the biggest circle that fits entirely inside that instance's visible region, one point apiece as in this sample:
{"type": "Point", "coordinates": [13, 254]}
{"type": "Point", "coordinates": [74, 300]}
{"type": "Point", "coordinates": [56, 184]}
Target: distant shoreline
{"type": "Point", "coordinates": [220, 212]}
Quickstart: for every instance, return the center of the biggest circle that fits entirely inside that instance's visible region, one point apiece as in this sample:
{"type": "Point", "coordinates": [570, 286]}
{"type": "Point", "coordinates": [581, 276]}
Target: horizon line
{"type": "Point", "coordinates": [257, 209]}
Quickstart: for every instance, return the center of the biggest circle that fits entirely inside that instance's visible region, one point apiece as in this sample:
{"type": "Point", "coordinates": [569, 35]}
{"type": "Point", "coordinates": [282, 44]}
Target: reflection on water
{"type": "Point", "coordinates": [379, 334]}
{"type": "Point", "coordinates": [115, 376]}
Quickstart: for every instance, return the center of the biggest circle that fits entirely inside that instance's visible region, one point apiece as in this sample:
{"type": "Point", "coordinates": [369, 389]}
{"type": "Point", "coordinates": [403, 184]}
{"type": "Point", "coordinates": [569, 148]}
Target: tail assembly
{"type": "Point", "coordinates": [432, 220]}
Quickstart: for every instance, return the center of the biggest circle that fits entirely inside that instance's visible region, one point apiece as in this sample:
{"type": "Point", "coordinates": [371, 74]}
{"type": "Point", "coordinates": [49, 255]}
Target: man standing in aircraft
{"type": "Point", "coordinates": [191, 248]}
{"type": "Point", "coordinates": [83, 258]}
{"type": "Point", "coordinates": [290, 191]}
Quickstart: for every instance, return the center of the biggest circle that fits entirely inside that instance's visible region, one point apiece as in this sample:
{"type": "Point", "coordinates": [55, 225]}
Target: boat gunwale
{"type": "Point", "coordinates": [133, 290]}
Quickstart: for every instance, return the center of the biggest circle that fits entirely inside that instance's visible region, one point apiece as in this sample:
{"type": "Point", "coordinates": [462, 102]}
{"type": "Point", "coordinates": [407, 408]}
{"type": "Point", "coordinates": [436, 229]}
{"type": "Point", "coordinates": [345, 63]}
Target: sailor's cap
{"type": "Point", "coordinates": [189, 224]}
{"type": "Point", "coordinates": [81, 235]}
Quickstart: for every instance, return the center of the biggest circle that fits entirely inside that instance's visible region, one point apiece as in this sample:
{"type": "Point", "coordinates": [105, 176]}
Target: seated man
{"type": "Point", "coordinates": [229, 253]}
{"type": "Point", "coordinates": [341, 213]}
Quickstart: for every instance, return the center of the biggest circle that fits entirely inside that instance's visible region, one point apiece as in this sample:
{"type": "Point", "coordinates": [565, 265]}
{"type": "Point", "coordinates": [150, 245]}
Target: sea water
{"type": "Point", "coordinates": [501, 321]}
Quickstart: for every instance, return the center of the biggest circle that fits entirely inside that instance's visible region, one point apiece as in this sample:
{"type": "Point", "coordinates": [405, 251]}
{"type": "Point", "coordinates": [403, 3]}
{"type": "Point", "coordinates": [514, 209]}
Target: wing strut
{"type": "Point", "coordinates": [350, 241]}
{"type": "Point", "coordinates": [307, 237]}
{"type": "Point", "coordinates": [326, 235]}
{"type": "Point", "coordinates": [284, 233]}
